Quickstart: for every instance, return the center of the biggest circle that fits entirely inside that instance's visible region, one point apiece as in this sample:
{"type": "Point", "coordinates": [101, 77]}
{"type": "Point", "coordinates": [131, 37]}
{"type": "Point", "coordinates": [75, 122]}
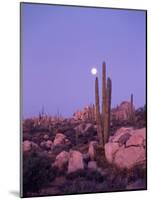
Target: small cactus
{"type": "Point", "coordinates": [90, 113]}
{"type": "Point", "coordinates": [131, 103]}
{"type": "Point", "coordinates": [132, 114]}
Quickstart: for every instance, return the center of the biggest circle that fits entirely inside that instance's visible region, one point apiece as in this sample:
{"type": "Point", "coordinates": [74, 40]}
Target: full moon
{"type": "Point", "coordinates": [93, 71]}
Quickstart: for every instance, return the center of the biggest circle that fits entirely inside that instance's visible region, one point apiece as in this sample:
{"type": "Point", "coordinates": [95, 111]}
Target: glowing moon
{"type": "Point", "coordinates": [93, 71]}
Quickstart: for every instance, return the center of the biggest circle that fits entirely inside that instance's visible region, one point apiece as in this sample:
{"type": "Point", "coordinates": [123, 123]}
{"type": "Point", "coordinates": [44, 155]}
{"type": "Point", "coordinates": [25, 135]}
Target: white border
{"type": "Point", "coordinates": [9, 97]}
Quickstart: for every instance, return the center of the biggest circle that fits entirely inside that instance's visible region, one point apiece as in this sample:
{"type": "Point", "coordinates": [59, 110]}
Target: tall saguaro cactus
{"type": "Point", "coordinates": [107, 110]}
{"type": "Point", "coordinates": [97, 112]}
{"type": "Point", "coordinates": [103, 120]}
{"type": "Point", "coordinates": [103, 92]}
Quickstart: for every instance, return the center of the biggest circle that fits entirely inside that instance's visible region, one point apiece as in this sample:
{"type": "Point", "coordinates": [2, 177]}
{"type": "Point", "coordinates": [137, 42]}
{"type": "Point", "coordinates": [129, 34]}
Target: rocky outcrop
{"type": "Point", "coordinates": [122, 112]}
{"type": "Point", "coordinates": [86, 114]}
{"type": "Point", "coordinates": [92, 165]}
{"type": "Point", "coordinates": [46, 137]}
{"type": "Point", "coordinates": [46, 144]}
{"type": "Point", "coordinates": [138, 138]}
{"type": "Point", "coordinates": [92, 150]}
{"type": "Point", "coordinates": [83, 128]}
{"type": "Point", "coordinates": [75, 161]}
{"type": "Point", "coordinates": [29, 145]}
{"type": "Point", "coordinates": [62, 159]}
{"type": "Point", "coordinates": [129, 157]}
{"type": "Point", "coordinates": [59, 139]}
{"type": "Point", "coordinates": [120, 133]}
{"type": "Point", "coordinates": [110, 150]}
{"type": "Point", "coordinates": [126, 148]}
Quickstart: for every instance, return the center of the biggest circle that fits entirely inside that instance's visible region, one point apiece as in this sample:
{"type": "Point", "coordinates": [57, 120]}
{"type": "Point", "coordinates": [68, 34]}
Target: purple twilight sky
{"type": "Point", "coordinates": [61, 44]}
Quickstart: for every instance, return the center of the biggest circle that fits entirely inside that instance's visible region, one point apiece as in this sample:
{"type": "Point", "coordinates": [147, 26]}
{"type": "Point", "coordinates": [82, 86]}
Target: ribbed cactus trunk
{"type": "Point", "coordinates": [97, 112]}
{"type": "Point", "coordinates": [103, 120]}
{"type": "Point", "coordinates": [93, 112]}
{"type": "Point", "coordinates": [103, 93]}
{"type": "Point", "coordinates": [132, 109]}
{"type": "Point", "coordinates": [106, 103]}
{"type": "Point", "coordinates": [109, 94]}
{"type": "Point", "coordinates": [88, 113]}
{"type": "Point", "coordinates": [107, 111]}
{"type": "Point", "coordinates": [131, 103]}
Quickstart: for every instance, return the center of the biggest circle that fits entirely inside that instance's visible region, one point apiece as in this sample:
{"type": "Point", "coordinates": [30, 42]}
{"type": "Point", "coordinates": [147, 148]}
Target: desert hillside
{"type": "Point", "coordinates": [64, 156]}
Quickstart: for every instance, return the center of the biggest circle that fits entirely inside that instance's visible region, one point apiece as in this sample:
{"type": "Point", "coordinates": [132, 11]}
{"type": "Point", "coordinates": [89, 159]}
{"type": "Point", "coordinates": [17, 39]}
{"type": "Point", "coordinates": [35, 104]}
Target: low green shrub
{"type": "Point", "coordinates": [37, 172]}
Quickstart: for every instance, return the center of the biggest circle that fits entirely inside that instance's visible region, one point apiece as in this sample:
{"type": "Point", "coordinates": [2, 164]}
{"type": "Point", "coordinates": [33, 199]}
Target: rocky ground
{"type": "Point", "coordinates": [64, 156]}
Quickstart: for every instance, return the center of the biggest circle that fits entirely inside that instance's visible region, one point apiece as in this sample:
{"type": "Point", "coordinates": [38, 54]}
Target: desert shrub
{"type": "Point", "coordinates": [82, 139]}
{"type": "Point", "coordinates": [91, 135]}
{"type": "Point", "coordinates": [77, 174]}
{"type": "Point", "coordinates": [79, 185]}
{"type": "Point", "coordinates": [59, 148]}
{"type": "Point", "coordinates": [138, 172]}
{"type": "Point", "coordinates": [91, 175]}
{"type": "Point", "coordinates": [37, 172]}
{"type": "Point", "coordinates": [94, 175]}
{"type": "Point", "coordinates": [71, 135]}
{"type": "Point", "coordinates": [37, 137]}
{"type": "Point", "coordinates": [117, 179]}
{"type": "Point", "coordinates": [62, 128]}
{"type": "Point", "coordinates": [26, 136]}
{"type": "Point", "coordinates": [28, 124]}
{"type": "Point", "coordinates": [140, 117]}
{"type": "Point", "coordinates": [86, 137]}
